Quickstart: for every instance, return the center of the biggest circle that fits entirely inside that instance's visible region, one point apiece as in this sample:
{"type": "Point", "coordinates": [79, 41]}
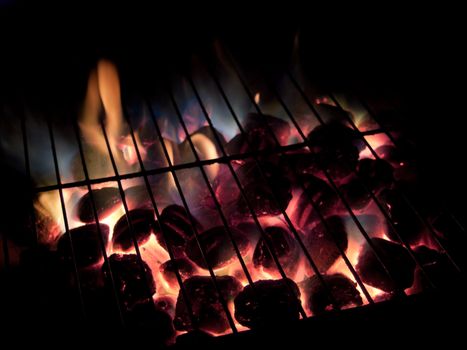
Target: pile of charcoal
{"type": "Point", "coordinates": [326, 180]}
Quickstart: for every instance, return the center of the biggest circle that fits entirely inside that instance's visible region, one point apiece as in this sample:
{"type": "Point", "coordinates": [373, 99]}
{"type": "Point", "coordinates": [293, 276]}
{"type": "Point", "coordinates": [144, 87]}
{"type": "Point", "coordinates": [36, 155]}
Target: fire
{"type": "Point", "coordinates": [103, 92]}
{"type": "Point", "coordinates": [206, 149]}
{"type": "Point", "coordinates": [257, 98]}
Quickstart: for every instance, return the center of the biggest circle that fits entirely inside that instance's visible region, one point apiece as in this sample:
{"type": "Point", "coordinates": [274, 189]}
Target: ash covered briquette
{"type": "Point", "coordinates": [142, 222]}
{"type": "Point", "coordinates": [342, 289]}
{"type": "Point", "coordinates": [397, 260]}
{"type": "Point", "coordinates": [205, 304]}
{"type": "Point", "coordinates": [86, 244]}
{"type": "Point", "coordinates": [133, 285]}
{"type": "Point", "coordinates": [268, 303]}
{"type": "Point", "coordinates": [106, 200]}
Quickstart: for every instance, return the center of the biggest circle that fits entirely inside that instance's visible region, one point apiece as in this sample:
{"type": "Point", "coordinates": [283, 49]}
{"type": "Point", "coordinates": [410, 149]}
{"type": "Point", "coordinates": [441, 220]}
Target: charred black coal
{"type": "Point", "coordinates": [184, 267]}
{"type": "Point", "coordinates": [194, 337]}
{"type": "Point", "coordinates": [218, 248]}
{"type": "Point", "coordinates": [441, 272]}
{"type": "Point", "coordinates": [268, 303]}
{"type": "Point", "coordinates": [284, 246]}
{"type": "Point", "coordinates": [146, 316]}
{"type": "Point", "coordinates": [397, 261]}
{"type": "Point", "coordinates": [261, 133]}
{"type": "Point", "coordinates": [377, 174]}
{"type": "Point", "coordinates": [106, 199]}
{"type": "Point", "coordinates": [167, 304]}
{"type": "Point", "coordinates": [342, 289]}
{"type": "Point", "coordinates": [299, 165]}
{"type": "Point", "coordinates": [143, 223]}
{"type": "Point", "coordinates": [206, 307]}
{"type": "Point", "coordinates": [336, 147]}
{"type": "Point", "coordinates": [323, 197]}
{"type": "Point", "coordinates": [321, 241]}
{"type": "Point", "coordinates": [177, 227]}
{"type": "Point", "coordinates": [356, 194]}
{"type": "Point", "coordinates": [406, 223]}
{"type": "Point", "coordinates": [258, 189]}
{"type": "Point", "coordinates": [133, 285]}
{"type": "Point", "coordinates": [86, 244]}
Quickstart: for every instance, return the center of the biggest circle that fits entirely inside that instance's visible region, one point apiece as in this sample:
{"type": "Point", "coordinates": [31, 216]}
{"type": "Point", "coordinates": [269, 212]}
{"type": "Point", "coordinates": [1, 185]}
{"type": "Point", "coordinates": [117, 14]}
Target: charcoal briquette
{"type": "Point", "coordinates": [106, 200]}
{"type": "Point", "coordinates": [322, 242]}
{"type": "Point", "coordinates": [396, 259]}
{"type": "Point", "coordinates": [184, 266]}
{"type": "Point", "coordinates": [142, 222]}
{"type": "Point", "coordinates": [218, 248]}
{"type": "Point", "coordinates": [283, 245]}
{"type": "Point", "coordinates": [268, 303]}
{"type": "Point", "coordinates": [206, 307]}
{"type": "Point", "coordinates": [133, 285]}
{"type": "Point", "coordinates": [176, 225]}
{"type": "Point", "coordinates": [343, 291]}
{"type": "Point", "coordinates": [86, 243]}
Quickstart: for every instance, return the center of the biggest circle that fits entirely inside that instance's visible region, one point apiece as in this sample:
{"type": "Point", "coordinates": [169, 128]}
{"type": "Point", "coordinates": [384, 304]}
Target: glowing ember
{"type": "Point", "coordinates": [334, 147]}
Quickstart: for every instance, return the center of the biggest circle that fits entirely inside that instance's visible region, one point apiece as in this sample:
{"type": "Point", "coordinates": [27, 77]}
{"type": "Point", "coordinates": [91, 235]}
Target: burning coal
{"type": "Point", "coordinates": [283, 231]}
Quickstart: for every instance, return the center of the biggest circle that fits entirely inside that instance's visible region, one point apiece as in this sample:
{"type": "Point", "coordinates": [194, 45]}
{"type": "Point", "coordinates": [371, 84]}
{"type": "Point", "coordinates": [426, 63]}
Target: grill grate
{"type": "Point", "coordinates": [227, 160]}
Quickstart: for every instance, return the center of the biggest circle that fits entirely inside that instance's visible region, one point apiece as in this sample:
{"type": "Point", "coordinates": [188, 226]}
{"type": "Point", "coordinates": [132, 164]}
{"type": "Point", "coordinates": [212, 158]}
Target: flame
{"type": "Point", "coordinates": [339, 266]}
{"type": "Point", "coordinates": [257, 98]}
{"type": "Point", "coordinates": [374, 141]}
{"type": "Point", "coordinates": [206, 149]}
{"type": "Point", "coordinates": [103, 92]}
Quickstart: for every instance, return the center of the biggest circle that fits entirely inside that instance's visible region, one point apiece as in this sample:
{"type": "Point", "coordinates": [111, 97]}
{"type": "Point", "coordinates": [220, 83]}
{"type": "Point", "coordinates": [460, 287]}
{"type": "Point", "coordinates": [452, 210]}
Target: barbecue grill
{"type": "Point", "coordinates": [226, 157]}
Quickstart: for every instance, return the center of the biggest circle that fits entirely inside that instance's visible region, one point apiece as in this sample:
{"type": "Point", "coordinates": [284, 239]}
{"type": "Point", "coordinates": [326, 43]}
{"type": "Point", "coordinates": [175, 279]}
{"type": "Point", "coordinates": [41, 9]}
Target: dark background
{"type": "Point", "coordinates": [410, 55]}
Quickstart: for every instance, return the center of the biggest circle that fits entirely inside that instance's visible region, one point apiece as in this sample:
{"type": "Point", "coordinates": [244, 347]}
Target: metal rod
{"type": "Point", "coordinates": [65, 218]}
{"type": "Point", "coordinates": [312, 202]}
{"type": "Point", "coordinates": [193, 320]}
{"type": "Point", "coordinates": [125, 207]}
{"type": "Point", "coordinates": [27, 165]}
{"type": "Point", "coordinates": [372, 195]}
{"type": "Point", "coordinates": [242, 191]}
{"type": "Point", "coordinates": [193, 224]}
{"type": "Point", "coordinates": [328, 177]}
{"type": "Point", "coordinates": [408, 202]}
{"type": "Point", "coordinates": [96, 217]}
{"type": "Point", "coordinates": [222, 159]}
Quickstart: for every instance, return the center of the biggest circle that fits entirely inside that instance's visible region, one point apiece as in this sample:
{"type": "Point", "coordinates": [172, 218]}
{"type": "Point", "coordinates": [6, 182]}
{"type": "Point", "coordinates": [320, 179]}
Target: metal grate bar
{"type": "Point", "coordinates": [125, 207]}
{"type": "Point", "coordinates": [250, 208]}
{"type": "Point", "coordinates": [328, 177]}
{"type": "Point", "coordinates": [373, 196]}
{"type": "Point", "coordinates": [312, 202]}
{"type": "Point", "coordinates": [65, 219]}
{"type": "Point", "coordinates": [188, 305]}
{"type": "Point", "coordinates": [185, 205]}
{"type": "Point", "coordinates": [284, 214]}
{"type": "Point", "coordinates": [408, 202]}
{"type": "Point", "coordinates": [96, 218]}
